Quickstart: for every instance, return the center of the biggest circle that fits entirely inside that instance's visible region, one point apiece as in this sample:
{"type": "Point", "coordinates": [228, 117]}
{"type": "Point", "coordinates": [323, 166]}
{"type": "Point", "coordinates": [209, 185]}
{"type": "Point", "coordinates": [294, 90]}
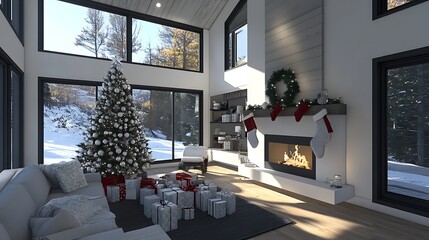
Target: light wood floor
{"type": "Point", "coordinates": [314, 219]}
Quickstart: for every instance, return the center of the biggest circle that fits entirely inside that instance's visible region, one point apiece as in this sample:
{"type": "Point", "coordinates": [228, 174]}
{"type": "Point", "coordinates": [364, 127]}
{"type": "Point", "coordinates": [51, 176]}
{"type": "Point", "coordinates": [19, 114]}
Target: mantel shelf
{"type": "Point", "coordinates": [333, 109]}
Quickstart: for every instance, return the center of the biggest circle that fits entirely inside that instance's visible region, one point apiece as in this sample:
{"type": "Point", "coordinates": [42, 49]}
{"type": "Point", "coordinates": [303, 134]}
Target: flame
{"type": "Point", "coordinates": [296, 159]}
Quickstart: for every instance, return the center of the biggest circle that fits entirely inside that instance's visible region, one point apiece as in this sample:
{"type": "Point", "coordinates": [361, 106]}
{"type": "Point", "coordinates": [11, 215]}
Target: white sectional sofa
{"type": "Point", "coordinates": [24, 191]}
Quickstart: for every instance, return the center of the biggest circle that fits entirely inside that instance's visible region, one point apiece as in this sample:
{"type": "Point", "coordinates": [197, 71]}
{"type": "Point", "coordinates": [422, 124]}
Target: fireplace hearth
{"type": "Point", "coordinates": [290, 154]}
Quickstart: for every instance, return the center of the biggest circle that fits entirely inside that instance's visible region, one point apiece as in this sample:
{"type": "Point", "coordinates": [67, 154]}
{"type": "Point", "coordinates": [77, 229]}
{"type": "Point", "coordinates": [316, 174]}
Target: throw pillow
{"type": "Point", "coordinates": [42, 227]}
{"type": "Point", "coordinates": [70, 176]}
{"type": "Point", "coordinates": [49, 171]}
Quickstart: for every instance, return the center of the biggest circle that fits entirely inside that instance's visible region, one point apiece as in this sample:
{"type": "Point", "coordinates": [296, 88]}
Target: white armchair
{"type": "Point", "coordinates": [195, 156]}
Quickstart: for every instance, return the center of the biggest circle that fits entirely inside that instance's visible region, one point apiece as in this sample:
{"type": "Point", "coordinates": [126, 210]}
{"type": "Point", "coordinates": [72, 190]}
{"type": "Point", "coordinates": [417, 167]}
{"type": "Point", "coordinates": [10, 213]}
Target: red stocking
{"type": "Point", "coordinates": [277, 109]}
{"type": "Point", "coordinates": [302, 108]}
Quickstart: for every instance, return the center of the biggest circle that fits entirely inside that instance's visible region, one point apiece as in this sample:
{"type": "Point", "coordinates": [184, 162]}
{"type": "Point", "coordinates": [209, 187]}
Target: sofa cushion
{"type": "Point", "coordinates": [36, 183]}
{"type": "Point", "coordinates": [49, 171]}
{"type": "Point", "coordinates": [84, 230]}
{"type": "Point", "coordinates": [70, 176]}
{"type": "Point", "coordinates": [3, 233]}
{"type": "Point", "coordinates": [5, 176]}
{"type": "Point", "coordinates": [94, 190]}
{"type": "Point", "coordinates": [16, 208]}
{"type": "Point", "coordinates": [42, 227]}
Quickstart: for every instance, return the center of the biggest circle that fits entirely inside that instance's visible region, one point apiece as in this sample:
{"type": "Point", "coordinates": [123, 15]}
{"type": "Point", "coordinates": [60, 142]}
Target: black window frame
{"type": "Point", "coordinates": [11, 158]}
{"type": "Point", "coordinates": [176, 90]}
{"type": "Point", "coordinates": [379, 8]}
{"type": "Point", "coordinates": [229, 31]}
{"type": "Point", "coordinates": [380, 193]}
{"type": "Point", "coordinates": [5, 8]}
{"type": "Point", "coordinates": [129, 16]}
{"type": "Point", "coordinates": [43, 80]}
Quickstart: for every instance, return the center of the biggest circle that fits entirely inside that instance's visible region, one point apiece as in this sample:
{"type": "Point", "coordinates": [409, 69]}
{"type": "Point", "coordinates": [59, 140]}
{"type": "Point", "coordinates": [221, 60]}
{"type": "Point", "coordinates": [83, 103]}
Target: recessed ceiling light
{"type": "Point", "coordinates": [158, 4]}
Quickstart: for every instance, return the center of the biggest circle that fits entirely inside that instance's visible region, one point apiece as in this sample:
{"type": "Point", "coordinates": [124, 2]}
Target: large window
{"type": "Point", "coordinates": [96, 30]}
{"type": "Point", "coordinates": [66, 112]}
{"type": "Point", "coordinates": [11, 146]}
{"type": "Point", "coordinates": [401, 131]}
{"type": "Point", "coordinates": [236, 37]}
{"type": "Point", "coordinates": [170, 118]}
{"type": "Point", "coordinates": [13, 10]}
{"type": "Point", "coordinates": [166, 46]}
{"type": "Point", "coordinates": [382, 8]}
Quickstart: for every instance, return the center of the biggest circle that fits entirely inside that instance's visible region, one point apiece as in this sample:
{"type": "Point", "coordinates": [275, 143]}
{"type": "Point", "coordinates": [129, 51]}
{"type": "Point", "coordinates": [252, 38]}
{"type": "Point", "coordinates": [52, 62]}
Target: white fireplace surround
{"type": "Point", "coordinates": [333, 162]}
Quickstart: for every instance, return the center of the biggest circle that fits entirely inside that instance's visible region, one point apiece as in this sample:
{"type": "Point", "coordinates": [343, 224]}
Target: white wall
{"type": "Point", "coordinates": [40, 64]}
{"type": "Point", "coordinates": [352, 40]}
{"type": "Point", "coordinates": [10, 43]}
{"type": "Point", "coordinates": [250, 76]}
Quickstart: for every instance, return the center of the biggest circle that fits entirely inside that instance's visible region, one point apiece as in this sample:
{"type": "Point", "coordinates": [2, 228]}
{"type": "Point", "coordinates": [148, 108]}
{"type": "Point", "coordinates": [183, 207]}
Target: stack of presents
{"type": "Point", "coordinates": [174, 197]}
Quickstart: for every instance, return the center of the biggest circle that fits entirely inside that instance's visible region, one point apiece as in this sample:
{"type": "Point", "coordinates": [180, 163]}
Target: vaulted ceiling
{"type": "Point", "coordinates": [199, 13]}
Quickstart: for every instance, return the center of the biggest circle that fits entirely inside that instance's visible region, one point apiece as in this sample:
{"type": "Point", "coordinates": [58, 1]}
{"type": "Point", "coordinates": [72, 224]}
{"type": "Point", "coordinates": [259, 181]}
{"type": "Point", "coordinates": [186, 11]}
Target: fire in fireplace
{"type": "Point", "coordinates": [290, 154]}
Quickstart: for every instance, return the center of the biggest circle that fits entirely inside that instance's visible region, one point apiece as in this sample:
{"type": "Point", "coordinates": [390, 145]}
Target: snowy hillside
{"type": "Point", "coordinates": [65, 126]}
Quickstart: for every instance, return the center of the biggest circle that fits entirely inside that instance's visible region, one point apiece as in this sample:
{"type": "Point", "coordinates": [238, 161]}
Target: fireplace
{"type": "Point", "coordinates": [290, 154]}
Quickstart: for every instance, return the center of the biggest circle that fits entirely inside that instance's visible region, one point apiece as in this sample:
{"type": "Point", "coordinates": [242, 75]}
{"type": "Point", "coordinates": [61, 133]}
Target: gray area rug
{"type": "Point", "coordinates": [248, 221]}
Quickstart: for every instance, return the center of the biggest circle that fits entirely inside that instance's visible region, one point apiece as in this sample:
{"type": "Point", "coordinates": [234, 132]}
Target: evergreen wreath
{"type": "Point", "coordinates": [288, 78]}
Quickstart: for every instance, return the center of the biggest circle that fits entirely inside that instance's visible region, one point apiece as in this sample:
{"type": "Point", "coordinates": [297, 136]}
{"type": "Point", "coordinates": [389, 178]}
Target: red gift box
{"type": "Point", "coordinates": [111, 180]}
{"type": "Point", "coordinates": [184, 176]}
{"type": "Point", "coordinates": [148, 183]}
{"type": "Point", "coordinates": [121, 191]}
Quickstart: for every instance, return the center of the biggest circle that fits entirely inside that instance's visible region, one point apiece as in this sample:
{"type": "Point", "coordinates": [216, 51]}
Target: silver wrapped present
{"type": "Point", "coordinates": [202, 196]}
{"type": "Point", "coordinates": [188, 213]}
{"type": "Point", "coordinates": [162, 191]}
{"type": "Point", "coordinates": [211, 187]}
{"type": "Point", "coordinates": [145, 192]}
{"type": "Point", "coordinates": [217, 208]}
{"type": "Point", "coordinates": [230, 199]}
{"type": "Point", "coordinates": [164, 213]}
{"type": "Point", "coordinates": [189, 198]}
{"type": "Point", "coordinates": [147, 202]}
{"type": "Point", "coordinates": [132, 188]}
{"type": "Point", "coordinates": [176, 196]}
{"type": "Point", "coordinates": [113, 193]}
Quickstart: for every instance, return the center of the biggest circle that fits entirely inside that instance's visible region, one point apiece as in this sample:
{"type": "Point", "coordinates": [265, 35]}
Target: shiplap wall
{"type": "Point", "coordinates": [294, 39]}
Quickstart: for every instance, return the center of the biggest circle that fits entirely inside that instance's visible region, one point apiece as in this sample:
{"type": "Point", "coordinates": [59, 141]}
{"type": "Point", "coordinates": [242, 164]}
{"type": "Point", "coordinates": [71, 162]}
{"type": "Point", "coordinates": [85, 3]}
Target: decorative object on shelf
{"type": "Point", "coordinates": [338, 181]}
{"type": "Point", "coordinates": [323, 134]}
{"type": "Point", "coordinates": [114, 143]}
{"type": "Point", "coordinates": [292, 87]}
{"type": "Point", "coordinates": [276, 110]}
{"type": "Point", "coordinates": [302, 108]}
{"type": "Point", "coordinates": [322, 98]}
{"type": "Point", "coordinates": [249, 122]}
{"type": "Point", "coordinates": [264, 105]}
{"type": "Point", "coordinates": [216, 106]}
{"type": "Point", "coordinates": [239, 109]}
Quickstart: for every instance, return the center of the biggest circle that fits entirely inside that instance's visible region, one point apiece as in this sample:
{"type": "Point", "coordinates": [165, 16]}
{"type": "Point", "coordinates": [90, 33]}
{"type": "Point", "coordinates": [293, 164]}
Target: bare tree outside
{"type": "Point", "coordinates": [117, 39]}
{"type": "Point", "coordinates": [92, 37]}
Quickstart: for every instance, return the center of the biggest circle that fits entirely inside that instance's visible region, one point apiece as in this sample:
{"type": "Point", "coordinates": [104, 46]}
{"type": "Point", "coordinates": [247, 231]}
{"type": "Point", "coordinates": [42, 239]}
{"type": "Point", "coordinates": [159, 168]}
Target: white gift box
{"type": "Point", "coordinates": [188, 213]}
{"type": "Point", "coordinates": [165, 215]}
{"type": "Point", "coordinates": [113, 193]}
{"type": "Point", "coordinates": [189, 198]}
{"type": "Point", "coordinates": [230, 199]}
{"type": "Point", "coordinates": [211, 187]}
{"type": "Point", "coordinates": [132, 187]}
{"type": "Point", "coordinates": [162, 191]}
{"type": "Point", "coordinates": [217, 208]}
{"type": "Point", "coordinates": [202, 196]}
{"type": "Point", "coordinates": [145, 192]}
{"type": "Point", "coordinates": [176, 196]}
{"type": "Point", "coordinates": [147, 202]}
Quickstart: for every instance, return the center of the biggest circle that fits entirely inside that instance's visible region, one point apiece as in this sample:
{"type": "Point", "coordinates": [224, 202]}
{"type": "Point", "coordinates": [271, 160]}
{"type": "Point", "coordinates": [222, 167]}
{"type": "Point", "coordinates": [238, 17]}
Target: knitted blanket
{"type": "Point", "coordinates": [79, 206]}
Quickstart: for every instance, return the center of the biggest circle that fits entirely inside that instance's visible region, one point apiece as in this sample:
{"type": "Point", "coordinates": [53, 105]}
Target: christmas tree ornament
{"type": "Point", "coordinates": [302, 108]}
{"type": "Point", "coordinates": [249, 123]}
{"type": "Point", "coordinates": [323, 133]}
{"type": "Point", "coordinates": [275, 112]}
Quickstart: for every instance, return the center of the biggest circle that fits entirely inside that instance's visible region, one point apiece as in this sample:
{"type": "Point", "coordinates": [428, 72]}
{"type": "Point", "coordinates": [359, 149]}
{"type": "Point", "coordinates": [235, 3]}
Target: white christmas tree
{"type": "Point", "coordinates": [115, 143]}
